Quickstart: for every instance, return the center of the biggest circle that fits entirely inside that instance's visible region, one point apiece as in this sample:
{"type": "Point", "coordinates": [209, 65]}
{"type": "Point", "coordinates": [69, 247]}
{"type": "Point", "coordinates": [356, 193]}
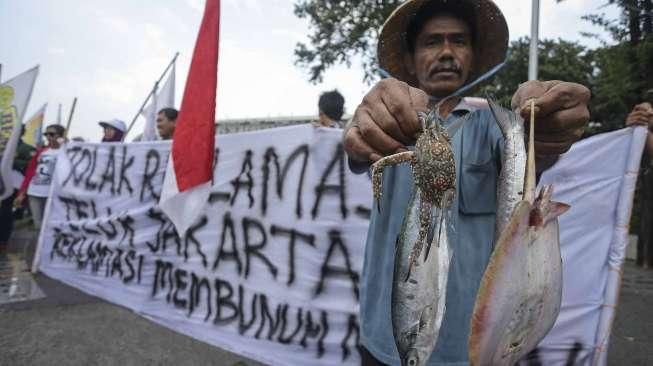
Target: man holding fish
{"type": "Point", "coordinates": [436, 52]}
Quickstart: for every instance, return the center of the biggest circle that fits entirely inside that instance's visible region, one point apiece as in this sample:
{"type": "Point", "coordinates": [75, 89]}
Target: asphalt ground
{"type": "Point", "coordinates": [45, 322]}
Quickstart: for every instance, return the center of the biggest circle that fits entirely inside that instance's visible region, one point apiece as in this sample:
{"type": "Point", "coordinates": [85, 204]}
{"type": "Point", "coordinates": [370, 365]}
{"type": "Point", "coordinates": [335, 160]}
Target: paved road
{"type": "Point", "coordinates": [55, 324]}
{"type": "Point", "coordinates": [632, 334]}
{"type": "Point", "coordinates": [63, 326]}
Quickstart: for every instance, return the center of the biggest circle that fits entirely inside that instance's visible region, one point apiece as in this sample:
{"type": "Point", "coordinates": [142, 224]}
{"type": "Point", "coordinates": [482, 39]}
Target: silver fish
{"type": "Point", "coordinates": [521, 290]}
{"type": "Point", "coordinates": [420, 272]}
{"type": "Point", "coordinates": [510, 188]}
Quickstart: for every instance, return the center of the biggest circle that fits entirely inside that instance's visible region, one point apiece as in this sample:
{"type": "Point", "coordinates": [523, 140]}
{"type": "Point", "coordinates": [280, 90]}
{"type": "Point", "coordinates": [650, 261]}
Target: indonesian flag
{"type": "Point", "coordinates": [187, 182]}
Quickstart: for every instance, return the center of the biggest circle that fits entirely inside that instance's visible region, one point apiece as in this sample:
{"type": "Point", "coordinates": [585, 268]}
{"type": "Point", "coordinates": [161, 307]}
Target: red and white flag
{"type": "Point", "coordinates": [187, 182]}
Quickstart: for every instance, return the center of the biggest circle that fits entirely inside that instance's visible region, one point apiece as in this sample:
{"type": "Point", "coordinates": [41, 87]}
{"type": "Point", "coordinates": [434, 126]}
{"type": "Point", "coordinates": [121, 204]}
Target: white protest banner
{"type": "Point", "coordinates": [14, 97]}
{"type": "Point", "coordinates": [270, 270]}
{"type": "Point", "coordinates": [593, 239]}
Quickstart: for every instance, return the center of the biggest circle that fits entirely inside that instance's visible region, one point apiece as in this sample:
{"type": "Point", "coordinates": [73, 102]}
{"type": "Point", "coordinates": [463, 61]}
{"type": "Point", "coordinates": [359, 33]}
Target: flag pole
{"type": "Point", "coordinates": [535, 26]}
{"type": "Point", "coordinates": [150, 95]}
{"type": "Point", "coordinates": [59, 114]}
{"type": "Point", "coordinates": [70, 117]}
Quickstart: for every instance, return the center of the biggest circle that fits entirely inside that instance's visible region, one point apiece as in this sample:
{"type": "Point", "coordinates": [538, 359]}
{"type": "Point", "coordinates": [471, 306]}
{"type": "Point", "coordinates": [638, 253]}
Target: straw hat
{"type": "Point", "coordinates": [490, 39]}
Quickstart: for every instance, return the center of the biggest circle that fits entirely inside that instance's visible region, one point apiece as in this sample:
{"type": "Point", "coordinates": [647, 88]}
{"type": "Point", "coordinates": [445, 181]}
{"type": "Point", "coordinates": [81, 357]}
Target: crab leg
{"type": "Point", "coordinates": [377, 171]}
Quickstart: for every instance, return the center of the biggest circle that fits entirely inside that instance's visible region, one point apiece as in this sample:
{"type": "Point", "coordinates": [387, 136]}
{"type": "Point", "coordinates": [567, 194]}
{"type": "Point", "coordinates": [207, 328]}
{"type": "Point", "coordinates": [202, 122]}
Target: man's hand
{"type": "Point", "coordinates": [642, 114]}
{"type": "Point", "coordinates": [19, 200]}
{"type": "Point", "coordinates": [385, 121]}
{"type": "Point", "coordinates": [561, 113]}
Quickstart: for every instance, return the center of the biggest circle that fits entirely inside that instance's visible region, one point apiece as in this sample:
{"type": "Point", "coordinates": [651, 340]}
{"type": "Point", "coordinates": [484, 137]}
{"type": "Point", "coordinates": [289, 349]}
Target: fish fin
{"type": "Point", "coordinates": [545, 209]}
{"type": "Point", "coordinates": [539, 218]}
{"type": "Point", "coordinates": [425, 224]}
{"type": "Point", "coordinates": [431, 234]}
{"type": "Point", "coordinates": [410, 267]}
{"type": "Point", "coordinates": [505, 118]}
{"type": "Point", "coordinates": [424, 219]}
{"type": "Point", "coordinates": [558, 208]}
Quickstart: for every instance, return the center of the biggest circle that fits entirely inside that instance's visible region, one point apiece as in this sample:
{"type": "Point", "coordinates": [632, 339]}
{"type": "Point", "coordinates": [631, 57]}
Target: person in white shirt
{"type": "Point", "coordinates": [38, 176]}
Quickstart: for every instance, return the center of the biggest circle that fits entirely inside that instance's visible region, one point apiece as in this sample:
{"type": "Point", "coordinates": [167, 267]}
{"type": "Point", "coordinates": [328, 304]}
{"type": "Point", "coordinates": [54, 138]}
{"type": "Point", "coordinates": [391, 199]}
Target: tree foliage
{"type": "Point", "coordinates": [617, 72]}
{"type": "Point", "coordinates": [341, 30]}
{"type": "Point", "coordinates": [558, 60]}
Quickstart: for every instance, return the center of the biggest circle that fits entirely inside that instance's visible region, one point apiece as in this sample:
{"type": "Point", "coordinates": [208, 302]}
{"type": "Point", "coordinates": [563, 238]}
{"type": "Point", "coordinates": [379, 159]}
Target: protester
{"type": "Point", "coordinates": [331, 108]}
{"type": "Point", "coordinates": [432, 49]}
{"type": "Point", "coordinates": [114, 130]}
{"type": "Point", "coordinates": [642, 114]}
{"type": "Point", "coordinates": [38, 175]}
{"type": "Point", "coordinates": [166, 120]}
{"type": "Point", "coordinates": [24, 153]}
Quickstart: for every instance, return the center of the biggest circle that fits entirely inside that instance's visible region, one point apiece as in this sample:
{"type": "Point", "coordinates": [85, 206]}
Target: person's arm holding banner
{"type": "Point", "coordinates": [642, 114]}
{"type": "Point", "coordinates": [30, 171]}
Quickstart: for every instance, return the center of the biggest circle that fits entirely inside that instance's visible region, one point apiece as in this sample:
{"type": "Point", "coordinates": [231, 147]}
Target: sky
{"type": "Point", "coordinates": [108, 54]}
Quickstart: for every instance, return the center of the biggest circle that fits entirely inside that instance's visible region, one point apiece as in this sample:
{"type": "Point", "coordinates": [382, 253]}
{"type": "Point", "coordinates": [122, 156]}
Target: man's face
{"type": "Point", "coordinates": [165, 126]}
{"type": "Point", "coordinates": [51, 136]}
{"type": "Point", "coordinates": [443, 55]}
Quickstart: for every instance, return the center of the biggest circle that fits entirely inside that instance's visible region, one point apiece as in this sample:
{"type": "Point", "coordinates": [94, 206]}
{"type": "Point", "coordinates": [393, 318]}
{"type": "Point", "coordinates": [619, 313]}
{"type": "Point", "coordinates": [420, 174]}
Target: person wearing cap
{"type": "Point", "coordinates": [114, 130]}
{"type": "Point", "coordinates": [436, 51]}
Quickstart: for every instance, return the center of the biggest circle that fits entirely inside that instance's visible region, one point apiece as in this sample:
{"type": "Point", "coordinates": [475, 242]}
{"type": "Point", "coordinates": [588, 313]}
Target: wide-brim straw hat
{"type": "Point", "coordinates": [490, 38]}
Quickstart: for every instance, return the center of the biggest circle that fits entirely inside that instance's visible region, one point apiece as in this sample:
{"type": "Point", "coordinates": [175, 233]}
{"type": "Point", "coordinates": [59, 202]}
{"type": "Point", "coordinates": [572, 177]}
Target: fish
{"type": "Point", "coordinates": [520, 292]}
{"type": "Point", "coordinates": [422, 252]}
{"type": "Point", "coordinates": [510, 186]}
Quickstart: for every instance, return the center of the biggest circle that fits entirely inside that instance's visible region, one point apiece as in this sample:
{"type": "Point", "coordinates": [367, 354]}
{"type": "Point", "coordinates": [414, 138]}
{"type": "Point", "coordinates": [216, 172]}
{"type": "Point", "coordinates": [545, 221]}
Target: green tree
{"type": "Point", "coordinates": [623, 79]}
{"type": "Point", "coordinates": [340, 31]}
{"type": "Point", "coordinates": [343, 30]}
{"type": "Point", "coordinates": [558, 60]}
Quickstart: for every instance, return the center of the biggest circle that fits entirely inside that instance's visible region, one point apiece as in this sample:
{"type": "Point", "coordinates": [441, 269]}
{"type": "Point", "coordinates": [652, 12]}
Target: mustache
{"type": "Point", "coordinates": [450, 66]}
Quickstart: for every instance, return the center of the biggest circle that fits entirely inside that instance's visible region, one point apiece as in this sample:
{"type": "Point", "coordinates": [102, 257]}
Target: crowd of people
{"type": "Point", "coordinates": [33, 168]}
{"type": "Point", "coordinates": [433, 50]}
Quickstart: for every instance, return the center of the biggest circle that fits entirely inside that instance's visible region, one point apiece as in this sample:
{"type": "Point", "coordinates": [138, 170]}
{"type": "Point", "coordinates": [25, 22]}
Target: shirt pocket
{"type": "Point", "coordinates": [478, 184]}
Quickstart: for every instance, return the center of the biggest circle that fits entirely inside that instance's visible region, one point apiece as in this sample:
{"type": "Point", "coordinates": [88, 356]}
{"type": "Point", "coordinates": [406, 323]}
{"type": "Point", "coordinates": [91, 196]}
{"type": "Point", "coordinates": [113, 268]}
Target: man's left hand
{"type": "Point", "coordinates": [642, 114]}
{"type": "Point", "coordinates": [561, 113]}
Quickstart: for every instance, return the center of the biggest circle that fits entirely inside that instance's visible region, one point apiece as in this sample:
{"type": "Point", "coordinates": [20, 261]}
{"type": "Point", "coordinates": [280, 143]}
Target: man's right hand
{"type": "Point", "coordinates": [385, 121]}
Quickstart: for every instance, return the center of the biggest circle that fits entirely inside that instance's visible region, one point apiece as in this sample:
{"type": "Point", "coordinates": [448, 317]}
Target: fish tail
{"type": "Point", "coordinates": [505, 118]}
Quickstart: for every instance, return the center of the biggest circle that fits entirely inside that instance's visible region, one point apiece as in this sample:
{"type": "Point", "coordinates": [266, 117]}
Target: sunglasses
{"type": "Point", "coordinates": [48, 134]}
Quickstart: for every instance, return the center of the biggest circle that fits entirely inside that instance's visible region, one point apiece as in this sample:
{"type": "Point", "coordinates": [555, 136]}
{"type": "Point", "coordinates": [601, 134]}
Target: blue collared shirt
{"type": "Point", "coordinates": [477, 151]}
